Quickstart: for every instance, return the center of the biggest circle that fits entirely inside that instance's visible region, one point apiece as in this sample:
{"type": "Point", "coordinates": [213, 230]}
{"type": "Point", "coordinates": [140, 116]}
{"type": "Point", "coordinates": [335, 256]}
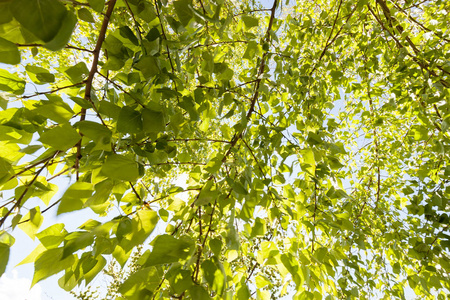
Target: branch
{"type": "Point", "coordinates": [135, 192]}
{"type": "Point", "coordinates": [330, 42]}
{"type": "Point", "coordinates": [164, 35]}
{"type": "Point", "coordinates": [121, 88]}
{"type": "Point", "coordinates": [420, 24]}
{"type": "Point", "coordinates": [54, 90]}
{"type": "Point", "coordinates": [314, 217]}
{"type": "Point", "coordinates": [66, 47]}
{"type": "Point", "coordinates": [34, 165]}
{"type": "Point", "coordinates": [422, 63]}
{"type": "Point", "coordinates": [176, 192]}
{"type": "Point", "coordinates": [177, 163]}
{"type": "Point", "coordinates": [238, 136]}
{"type": "Point", "coordinates": [89, 80]}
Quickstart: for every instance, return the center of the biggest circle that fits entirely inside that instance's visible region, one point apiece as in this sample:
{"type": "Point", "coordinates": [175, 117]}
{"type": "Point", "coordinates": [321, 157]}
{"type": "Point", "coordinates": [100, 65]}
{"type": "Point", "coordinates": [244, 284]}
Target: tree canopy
{"type": "Point", "coordinates": [314, 136]}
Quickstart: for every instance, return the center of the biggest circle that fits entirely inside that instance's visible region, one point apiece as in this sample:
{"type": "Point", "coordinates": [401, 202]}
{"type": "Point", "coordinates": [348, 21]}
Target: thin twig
{"type": "Point", "coordinates": [19, 200]}
{"type": "Point", "coordinates": [54, 90]}
{"type": "Point", "coordinates": [67, 47]}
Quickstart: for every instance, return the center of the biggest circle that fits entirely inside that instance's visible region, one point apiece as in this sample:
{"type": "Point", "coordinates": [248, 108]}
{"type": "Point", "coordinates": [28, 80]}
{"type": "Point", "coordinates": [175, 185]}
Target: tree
{"type": "Point", "coordinates": [314, 136]}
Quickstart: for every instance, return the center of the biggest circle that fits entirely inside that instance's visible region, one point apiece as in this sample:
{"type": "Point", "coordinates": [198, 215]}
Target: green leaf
{"type": "Point", "coordinates": [100, 134]}
{"type": "Point", "coordinates": [64, 33]}
{"type": "Point", "coordinates": [129, 121]}
{"type": "Point", "coordinates": [127, 33]}
{"type": "Point", "coordinates": [97, 5]}
{"type": "Point", "coordinates": [100, 263]}
{"type": "Point", "coordinates": [253, 50]}
{"type": "Point", "coordinates": [5, 14]}
{"type": "Point", "coordinates": [243, 293]}
{"type": "Point", "coordinates": [55, 109]}
{"type": "Point", "coordinates": [75, 241]}
{"type": "Point", "coordinates": [121, 168]}
{"type": "Point", "coordinates": [214, 275]}
{"type": "Point", "coordinates": [9, 53]}
{"type": "Point", "coordinates": [6, 241]}
{"type": "Point", "coordinates": [43, 18]}
{"type": "Point", "coordinates": [140, 283]}
{"type": "Point", "coordinates": [49, 263]}
{"type": "Point", "coordinates": [153, 121]}
{"type": "Point", "coordinates": [31, 222]}
{"type": "Point", "coordinates": [250, 21]}
{"type": "Point", "coordinates": [39, 75]}
{"type": "Point", "coordinates": [239, 188]}
{"type": "Point", "coordinates": [142, 225]}
{"type": "Point", "coordinates": [149, 66]}
{"type": "Point", "coordinates": [75, 197]}
{"type": "Point", "coordinates": [33, 255]}
{"type": "Point", "coordinates": [77, 73]}
{"type": "Point", "coordinates": [4, 257]}
{"type": "Point", "coordinates": [11, 83]}
{"type": "Point", "coordinates": [5, 170]}
{"type": "Point", "coordinates": [61, 137]}
{"type": "Point", "coordinates": [309, 163]}
{"type": "Point", "coordinates": [183, 11]}
{"type": "Point", "coordinates": [168, 249]}
{"type": "Point", "coordinates": [189, 105]}
{"type": "Point", "coordinates": [262, 281]}
{"type": "Point", "coordinates": [216, 246]}
{"type": "Point", "coordinates": [52, 236]}
{"type": "Point", "coordinates": [85, 15]}
{"type": "Point", "coordinates": [199, 293]}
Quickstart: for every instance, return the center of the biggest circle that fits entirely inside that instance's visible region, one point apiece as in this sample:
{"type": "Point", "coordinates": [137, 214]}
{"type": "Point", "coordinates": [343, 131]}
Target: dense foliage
{"type": "Point", "coordinates": [314, 135]}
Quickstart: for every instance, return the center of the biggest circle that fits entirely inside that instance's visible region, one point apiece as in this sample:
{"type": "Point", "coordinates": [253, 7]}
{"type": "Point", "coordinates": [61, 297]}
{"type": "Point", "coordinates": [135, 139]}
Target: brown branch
{"type": "Point", "coordinates": [135, 192]}
{"type": "Point", "coordinates": [59, 174]}
{"type": "Point", "coordinates": [314, 218]}
{"type": "Point", "coordinates": [200, 249]}
{"type": "Point", "coordinates": [238, 135]}
{"type": "Point", "coordinates": [89, 80]}
{"type": "Point", "coordinates": [254, 157]}
{"type": "Point", "coordinates": [164, 35]}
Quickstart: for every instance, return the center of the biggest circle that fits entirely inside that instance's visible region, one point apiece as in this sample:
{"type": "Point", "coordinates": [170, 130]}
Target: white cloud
{"type": "Point", "coordinates": [16, 288]}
